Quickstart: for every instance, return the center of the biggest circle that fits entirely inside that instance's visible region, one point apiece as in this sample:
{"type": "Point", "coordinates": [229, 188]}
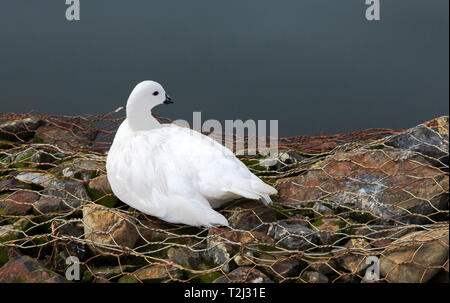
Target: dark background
{"type": "Point", "coordinates": [314, 65]}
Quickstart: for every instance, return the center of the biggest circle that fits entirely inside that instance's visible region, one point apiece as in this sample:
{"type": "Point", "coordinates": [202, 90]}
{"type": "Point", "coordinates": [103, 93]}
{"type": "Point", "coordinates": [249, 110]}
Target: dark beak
{"type": "Point", "coordinates": [168, 100]}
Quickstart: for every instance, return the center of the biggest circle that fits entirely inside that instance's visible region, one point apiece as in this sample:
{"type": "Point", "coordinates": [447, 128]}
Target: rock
{"type": "Point", "coordinates": [73, 232]}
{"type": "Point", "coordinates": [12, 184]}
{"type": "Point", "coordinates": [250, 215]}
{"type": "Point", "coordinates": [13, 231]}
{"type": "Point", "coordinates": [325, 267]}
{"type": "Point", "coordinates": [72, 133]}
{"type": "Point", "coordinates": [108, 229]}
{"type": "Point", "coordinates": [18, 203]}
{"type": "Point", "coordinates": [314, 277]}
{"type": "Point", "coordinates": [269, 163]}
{"type": "Point", "coordinates": [280, 161]}
{"type": "Point", "coordinates": [100, 191]}
{"type": "Point", "coordinates": [154, 231]}
{"type": "Point", "coordinates": [80, 168]}
{"type": "Point", "coordinates": [244, 275]}
{"type": "Point", "coordinates": [416, 257]}
{"type": "Point", "coordinates": [224, 244]}
{"type": "Point", "coordinates": [25, 269]}
{"type": "Point", "coordinates": [9, 233]}
{"type": "Point", "coordinates": [354, 258]}
{"type": "Point", "coordinates": [293, 235]}
{"type": "Point", "coordinates": [285, 268]}
{"type": "Point", "coordinates": [35, 178]}
{"type": "Point", "coordinates": [102, 273]}
{"type": "Point", "coordinates": [321, 209]}
{"type": "Point", "coordinates": [154, 273]}
{"type": "Point", "coordinates": [19, 130]}
{"type": "Point", "coordinates": [184, 257]}
{"type": "Point", "coordinates": [388, 183]}
{"type": "Point", "coordinates": [31, 157]}
{"type": "Point", "coordinates": [422, 139]}
{"type": "Point", "coordinates": [439, 124]}
{"type": "Point", "coordinates": [244, 259]}
{"type": "Point", "coordinates": [62, 196]}
{"type": "Point", "coordinates": [441, 277]}
{"type": "Point", "coordinates": [329, 229]}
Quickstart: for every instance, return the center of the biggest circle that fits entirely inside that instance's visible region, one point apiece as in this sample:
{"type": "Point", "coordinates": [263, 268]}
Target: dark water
{"type": "Point", "coordinates": [315, 65]}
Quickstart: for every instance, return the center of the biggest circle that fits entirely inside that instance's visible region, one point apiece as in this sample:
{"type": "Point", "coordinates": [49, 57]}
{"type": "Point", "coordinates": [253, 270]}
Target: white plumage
{"type": "Point", "coordinates": [172, 172]}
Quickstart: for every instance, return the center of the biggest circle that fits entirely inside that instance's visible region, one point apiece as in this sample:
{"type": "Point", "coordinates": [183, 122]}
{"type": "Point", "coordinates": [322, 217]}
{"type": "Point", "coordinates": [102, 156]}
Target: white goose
{"type": "Point", "coordinates": [175, 173]}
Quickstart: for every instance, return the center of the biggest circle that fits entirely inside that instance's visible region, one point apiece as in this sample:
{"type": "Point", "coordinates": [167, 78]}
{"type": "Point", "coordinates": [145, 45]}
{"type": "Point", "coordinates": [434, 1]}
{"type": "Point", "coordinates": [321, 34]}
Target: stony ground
{"type": "Point", "coordinates": [372, 206]}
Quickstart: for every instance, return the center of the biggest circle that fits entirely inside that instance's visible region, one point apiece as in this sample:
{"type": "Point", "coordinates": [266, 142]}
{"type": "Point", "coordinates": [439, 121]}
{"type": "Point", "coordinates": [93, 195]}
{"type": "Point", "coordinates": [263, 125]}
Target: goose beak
{"type": "Point", "coordinates": [168, 100]}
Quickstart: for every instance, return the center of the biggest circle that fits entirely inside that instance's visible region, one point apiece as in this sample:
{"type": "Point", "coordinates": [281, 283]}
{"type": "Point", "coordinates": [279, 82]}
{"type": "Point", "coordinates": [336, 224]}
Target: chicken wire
{"type": "Point", "coordinates": [309, 234]}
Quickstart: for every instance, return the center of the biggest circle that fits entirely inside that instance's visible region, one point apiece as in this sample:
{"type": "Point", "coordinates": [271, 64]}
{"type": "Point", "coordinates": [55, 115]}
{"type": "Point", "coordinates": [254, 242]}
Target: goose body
{"type": "Point", "coordinates": [175, 173]}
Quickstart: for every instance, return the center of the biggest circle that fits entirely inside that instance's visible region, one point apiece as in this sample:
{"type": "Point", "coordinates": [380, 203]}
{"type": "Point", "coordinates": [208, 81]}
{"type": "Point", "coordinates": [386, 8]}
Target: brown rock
{"type": "Point", "coordinates": [416, 257]}
{"type": "Point", "coordinates": [12, 184]}
{"type": "Point", "coordinates": [250, 215]}
{"type": "Point", "coordinates": [108, 228]}
{"type": "Point", "coordinates": [440, 124]}
{"type": "Point", "coordinates": [72, 133]}
{"type": "Point", "coordinates": [354, 258]}
{"type": "Point", "coordinates": [21, 129]}
{"type": "Point", "coordinates": [388, 183]}
{"type": "Point", "coordinates": [153, 273]}
{"type": "Point", "coordinates": [24, 269]}
{"type": "Point", "coordinates": [100, 191]}
{"type": "Point", "coordinates": [18, 203]}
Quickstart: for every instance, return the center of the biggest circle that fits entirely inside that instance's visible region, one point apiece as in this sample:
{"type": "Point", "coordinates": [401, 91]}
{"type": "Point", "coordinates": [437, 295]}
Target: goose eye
{"type": "Point", "coordinates": [156, 93]}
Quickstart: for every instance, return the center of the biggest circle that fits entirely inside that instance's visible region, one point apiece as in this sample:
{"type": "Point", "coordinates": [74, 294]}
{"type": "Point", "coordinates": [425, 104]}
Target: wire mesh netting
{"type": "Point", "coordinates": [366, 206]}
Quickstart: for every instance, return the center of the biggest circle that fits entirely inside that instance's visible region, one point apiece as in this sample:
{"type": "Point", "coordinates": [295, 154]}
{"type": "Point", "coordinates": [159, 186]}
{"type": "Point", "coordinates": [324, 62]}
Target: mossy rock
{"type": "Point", "coordinates": [100, 192]}
{"type": "Point", "coordinates": [6, 144]}
{"type": "Point", "coordinates": [3, 255]}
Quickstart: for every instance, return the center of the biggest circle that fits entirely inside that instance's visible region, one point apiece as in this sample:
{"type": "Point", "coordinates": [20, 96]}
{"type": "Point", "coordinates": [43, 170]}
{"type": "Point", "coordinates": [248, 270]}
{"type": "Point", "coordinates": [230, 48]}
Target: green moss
{"type": "Point", "coordinates": [23, 160]}
{"type": "Point", "coordinates": [37, 139]}
{"type": "Point", "coordinates": [205, 278]}
{"type": "Point", "coordinates": [6, 144]}
{"type": "Point", "coordinates": [99, 197]}
{"type": "Point", "coordinates": [318, 223]}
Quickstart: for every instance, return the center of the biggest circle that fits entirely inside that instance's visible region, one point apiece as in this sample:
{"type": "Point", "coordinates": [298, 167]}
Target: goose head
{"type": "Point", "coordinates": [144, 97]}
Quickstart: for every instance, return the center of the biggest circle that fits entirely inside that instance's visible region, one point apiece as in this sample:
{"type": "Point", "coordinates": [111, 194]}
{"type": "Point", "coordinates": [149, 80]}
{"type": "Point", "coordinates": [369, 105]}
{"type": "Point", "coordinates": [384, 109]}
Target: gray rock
{"type": "Point", "coordinates": [293, 235]}
{"type": "Point", "coordinates": [422, 139]}
{"type": "Point", "coordinates": [30, 157]}
{"type": "Point", "coordinates": [78, 168]}
{"type": "Point", "coordinates": [62, 195]}
{"type": "Point", "coordinates": [286, 268]}
{"type": "Point", "coordinates": [41, 179]}
{"type": "Point", "coordinates": [185, 257]}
